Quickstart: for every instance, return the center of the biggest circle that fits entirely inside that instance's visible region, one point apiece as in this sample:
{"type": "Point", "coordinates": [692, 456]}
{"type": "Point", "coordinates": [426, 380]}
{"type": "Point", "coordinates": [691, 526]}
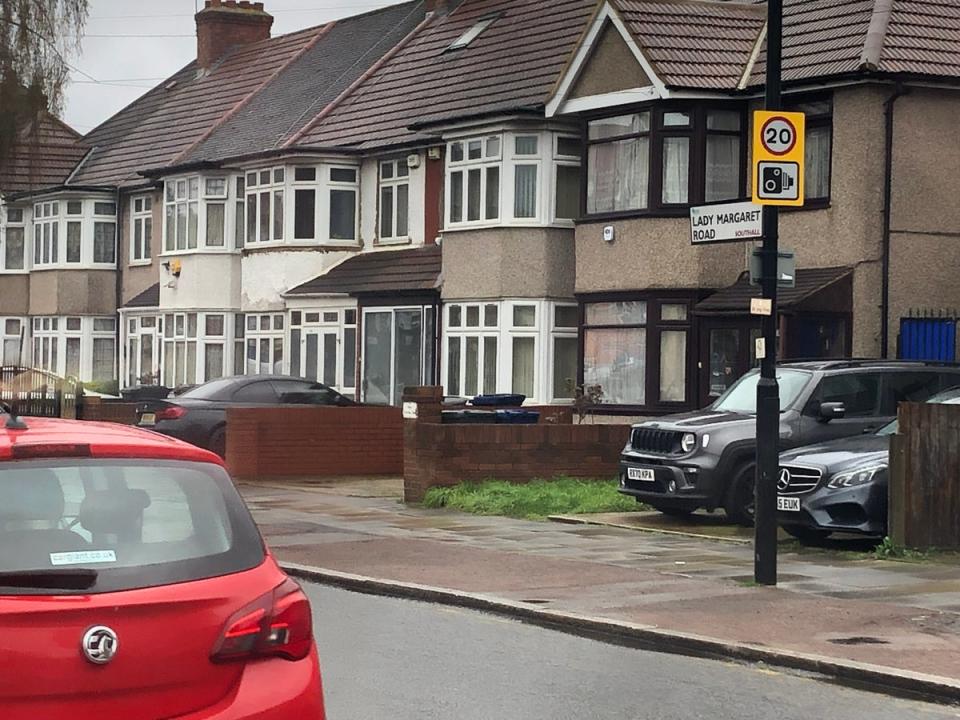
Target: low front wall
{"type": "Point", "coordinates": [309, 441]}
{"type": "Point", "coordinates": [444, 455]}
{"type": "Point", "coordinates": [98, 409]}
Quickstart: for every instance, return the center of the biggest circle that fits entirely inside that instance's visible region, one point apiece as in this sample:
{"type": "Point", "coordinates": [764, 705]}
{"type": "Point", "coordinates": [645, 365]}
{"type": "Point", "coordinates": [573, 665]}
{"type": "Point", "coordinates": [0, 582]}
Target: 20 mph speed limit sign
{"type": "Point", "coordinates": [778, 151]}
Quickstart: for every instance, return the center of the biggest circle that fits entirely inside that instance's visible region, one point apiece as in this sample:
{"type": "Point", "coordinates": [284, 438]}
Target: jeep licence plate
{"type": "Point", "coordinates": [788, 504]}
{"type": "Point", "coordinates": [641, 474]}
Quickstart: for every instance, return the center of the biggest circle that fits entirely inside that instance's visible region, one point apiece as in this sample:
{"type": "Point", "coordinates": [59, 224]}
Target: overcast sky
{"type": "Point", "coordinates": [118, 64]}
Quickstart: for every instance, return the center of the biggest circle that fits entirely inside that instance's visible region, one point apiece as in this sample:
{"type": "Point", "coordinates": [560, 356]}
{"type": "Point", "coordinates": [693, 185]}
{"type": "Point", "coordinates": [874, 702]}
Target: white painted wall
{"type": "Point", "coordinates": [206, 281]}
{"type": "Point", "coordinates": [267, 275]}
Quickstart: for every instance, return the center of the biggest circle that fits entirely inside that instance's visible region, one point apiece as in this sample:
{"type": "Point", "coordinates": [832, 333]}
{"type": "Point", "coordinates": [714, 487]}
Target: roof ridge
{"type": "Point", "coordinates": [386, 57]}
{"type": "Point", "coordinates": [321, 31]}
{"type": "Point", "coordinates": [876, 35]}
{"type": "Point", "coordinates": [296, 126]}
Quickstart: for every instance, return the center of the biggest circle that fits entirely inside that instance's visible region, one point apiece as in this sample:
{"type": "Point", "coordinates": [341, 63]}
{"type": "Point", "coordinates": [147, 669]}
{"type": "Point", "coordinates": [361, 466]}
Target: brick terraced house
{"type": "Point", "coordinates": [492, 195]}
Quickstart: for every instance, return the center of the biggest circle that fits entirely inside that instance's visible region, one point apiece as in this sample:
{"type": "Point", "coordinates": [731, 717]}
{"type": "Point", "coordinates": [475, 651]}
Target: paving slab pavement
{"type": "Point", "coordinates": [902, 616]}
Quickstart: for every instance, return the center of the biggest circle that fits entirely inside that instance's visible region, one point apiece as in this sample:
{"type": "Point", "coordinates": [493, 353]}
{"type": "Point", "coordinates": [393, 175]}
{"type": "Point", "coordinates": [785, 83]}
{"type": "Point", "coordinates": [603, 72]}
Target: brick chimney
{"type": "Point", "coordinates": [225, 24]}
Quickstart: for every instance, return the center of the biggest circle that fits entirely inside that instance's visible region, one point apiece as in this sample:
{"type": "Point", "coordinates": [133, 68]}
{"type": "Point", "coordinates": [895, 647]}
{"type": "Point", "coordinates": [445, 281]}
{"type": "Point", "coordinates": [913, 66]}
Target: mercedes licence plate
{"type": "Point", "coordinates": [641, 474]}
{"type": "Point", "coordinates": [788, 504]}
{"type": "Point", "coordinates": [148, 419]}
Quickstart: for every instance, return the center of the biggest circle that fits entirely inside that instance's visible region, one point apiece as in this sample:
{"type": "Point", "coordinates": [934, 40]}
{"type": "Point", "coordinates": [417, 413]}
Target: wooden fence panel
{"type": "Point", "coordinates": [925, 477]}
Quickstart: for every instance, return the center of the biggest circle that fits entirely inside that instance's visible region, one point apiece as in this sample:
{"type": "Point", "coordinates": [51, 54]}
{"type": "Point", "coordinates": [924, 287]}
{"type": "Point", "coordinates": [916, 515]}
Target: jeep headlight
{"type": "Point", "coordinates": [859, 476]}
{"type": "Point", "coordinates": [688, 442]}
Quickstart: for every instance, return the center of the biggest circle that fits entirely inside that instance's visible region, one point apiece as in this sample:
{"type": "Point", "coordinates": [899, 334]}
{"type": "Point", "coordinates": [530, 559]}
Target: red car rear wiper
{"type": "Point", "coordinates": [75, 579]}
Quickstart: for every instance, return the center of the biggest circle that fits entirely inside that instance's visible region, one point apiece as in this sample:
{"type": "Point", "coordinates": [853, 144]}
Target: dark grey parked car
{"type": "Point", "coordinates": [199, 416]}
{"type": "Point", "coordinates": [705, 459]}
{"type": "Point", "coordinates": [841, 485]}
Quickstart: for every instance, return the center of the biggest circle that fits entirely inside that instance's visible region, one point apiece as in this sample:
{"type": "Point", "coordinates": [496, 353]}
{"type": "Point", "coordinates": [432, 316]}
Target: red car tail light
{"type": "Point", "coordinates": [29, 451]}
{"type": "Point", "coordinates": [276, 624]}
{"type": "Point", "coordinates": [171, 413]}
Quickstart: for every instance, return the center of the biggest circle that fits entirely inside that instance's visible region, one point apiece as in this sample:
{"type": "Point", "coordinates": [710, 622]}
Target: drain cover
{"type": "Point", "coordinates": [858, 641]}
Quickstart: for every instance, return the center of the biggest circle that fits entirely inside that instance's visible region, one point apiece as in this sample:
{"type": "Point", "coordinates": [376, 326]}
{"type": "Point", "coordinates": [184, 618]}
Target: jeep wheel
{"type": "Point", "coordinates": [807, 536]}
{"type": "Point", "coordinates": [740, 501]}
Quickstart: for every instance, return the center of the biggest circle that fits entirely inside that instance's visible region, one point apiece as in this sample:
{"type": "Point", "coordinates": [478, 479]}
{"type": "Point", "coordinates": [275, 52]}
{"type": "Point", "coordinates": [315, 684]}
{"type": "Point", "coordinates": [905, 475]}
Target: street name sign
{"type": "Point", "coordinates": [725, 223]}
{"type": "Point", "coordinates": [778, 158]}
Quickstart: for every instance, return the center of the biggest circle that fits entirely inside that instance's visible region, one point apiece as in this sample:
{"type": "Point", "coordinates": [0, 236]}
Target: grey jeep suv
{"type": "Point", "coordinates": [706, 459]}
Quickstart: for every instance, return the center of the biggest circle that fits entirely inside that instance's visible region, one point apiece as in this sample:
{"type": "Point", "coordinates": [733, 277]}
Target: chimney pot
{"type": "Point", "coordinates": [223, 25]}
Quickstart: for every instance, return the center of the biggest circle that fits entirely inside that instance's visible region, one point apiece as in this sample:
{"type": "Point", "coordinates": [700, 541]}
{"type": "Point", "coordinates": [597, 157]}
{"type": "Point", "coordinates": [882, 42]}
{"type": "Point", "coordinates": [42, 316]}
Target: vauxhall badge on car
{"type": "Point", "coordinates": [100, 644]}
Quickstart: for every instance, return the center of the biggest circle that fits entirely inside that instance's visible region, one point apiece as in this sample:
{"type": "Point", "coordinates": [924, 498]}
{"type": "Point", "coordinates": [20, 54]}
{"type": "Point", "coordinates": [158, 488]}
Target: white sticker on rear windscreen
{"type": "Point", "coordinates": [83, 557]}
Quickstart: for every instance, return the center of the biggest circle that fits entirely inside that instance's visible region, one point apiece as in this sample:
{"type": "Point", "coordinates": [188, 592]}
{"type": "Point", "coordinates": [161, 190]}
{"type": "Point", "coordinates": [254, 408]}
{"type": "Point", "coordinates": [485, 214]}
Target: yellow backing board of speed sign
{"type": "Point", "coordinates": [778, 147]}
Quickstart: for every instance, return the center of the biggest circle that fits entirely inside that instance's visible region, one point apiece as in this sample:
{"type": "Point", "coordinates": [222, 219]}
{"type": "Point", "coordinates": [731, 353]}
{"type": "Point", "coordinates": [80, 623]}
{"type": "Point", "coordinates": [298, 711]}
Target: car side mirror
{"type": "Point", "coordinates": [832, 411]}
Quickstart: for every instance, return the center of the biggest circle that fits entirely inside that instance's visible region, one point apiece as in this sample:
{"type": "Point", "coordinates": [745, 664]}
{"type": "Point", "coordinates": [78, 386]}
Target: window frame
{"type": "Point", "coordinates": [22, 225]}
{"type": "Point", "coordinates": [654, 327]}
{"type": "Point", "coordinates": [816, 121]}
{"type": "Point", "coordinates": [658, 132]}
{"type": "Point", "coordinates": [506, 161]}
{"type": "Point", "coordinates": [393, 184]}
{"type": "Point", "coordinates": [203, 199]}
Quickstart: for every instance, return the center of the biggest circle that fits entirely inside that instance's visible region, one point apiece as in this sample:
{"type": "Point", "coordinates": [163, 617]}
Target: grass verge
{"type": "Point", "coordinates": [534, 500]}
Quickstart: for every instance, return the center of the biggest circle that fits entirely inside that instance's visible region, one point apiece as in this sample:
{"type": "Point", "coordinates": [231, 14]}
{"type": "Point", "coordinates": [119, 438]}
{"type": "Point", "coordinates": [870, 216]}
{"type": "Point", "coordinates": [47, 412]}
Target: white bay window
{"type": "Point", "coordinates": [512, 178]}
{"type": "Point", "coordinates": [13, 240]}
{"type": "Point", "coordinates": [201, 214]}
{"type": "Point", "coordinates": [525, 347]}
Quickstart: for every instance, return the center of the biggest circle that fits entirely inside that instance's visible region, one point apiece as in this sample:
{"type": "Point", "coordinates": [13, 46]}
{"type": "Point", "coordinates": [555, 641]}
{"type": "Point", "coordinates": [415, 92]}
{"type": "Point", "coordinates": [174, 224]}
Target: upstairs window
{"type": "Point", "coordinates": [344, 186]}
{"type": "Point", "coordinates": [141, 231]}
{"type": "Point", "coordinates": [46, 234]}
{"type": "Point", "coordinates": [302, 203]}
{"type": "Point", "coordinates": [663, 159]}
{"type": "Point", "coordinates": [818, 149]}
{"type": "Point", "coordinates": [514, 178]}
{"type": "Point", "coordinates": [394, 201]}
{"type": "Point", "coordinates": [202, 213]}
{"type": "Point", "coordinates": [182, 204]}
{"type": "Point", "coordinates": [13, 253]}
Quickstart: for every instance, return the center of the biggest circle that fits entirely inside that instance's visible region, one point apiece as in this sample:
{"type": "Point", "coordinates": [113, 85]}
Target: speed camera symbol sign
{"type": "Point", "coordinates": [778, 157]}
{"type": "Point", "coordinates": [779, 136]}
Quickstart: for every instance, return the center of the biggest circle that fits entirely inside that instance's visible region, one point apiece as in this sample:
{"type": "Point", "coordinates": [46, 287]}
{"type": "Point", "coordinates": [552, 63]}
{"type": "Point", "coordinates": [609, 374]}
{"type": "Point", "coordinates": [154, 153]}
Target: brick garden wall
{"type": "Point", "coordinates": [98, 409]}
{"type": "Point", "coordinates": [314, 442]}
{"type": "Point", "coordinates": [444, 455]}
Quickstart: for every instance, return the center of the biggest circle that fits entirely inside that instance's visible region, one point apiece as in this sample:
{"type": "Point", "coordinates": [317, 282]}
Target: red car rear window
{"type": "Point", "coordinates": [137, 523]}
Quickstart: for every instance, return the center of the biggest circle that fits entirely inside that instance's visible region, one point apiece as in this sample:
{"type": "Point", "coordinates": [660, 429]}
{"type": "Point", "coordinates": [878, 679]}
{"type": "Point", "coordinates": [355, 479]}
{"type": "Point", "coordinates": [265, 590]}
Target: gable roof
{"type": "Point", "coordinates": [695, 43]}
{"type": "Point", "coordinates": [347, 49]}
{"type": "Point", "coordinates": [151, 132]}
{"type": "Point", "coordinates": [385, 271]}
{"type": "Point", "coordinates": [46, 159]}
{"type": "Point", "coordinates": [509, 67]}
{"type": "Point", "coordinates": [149, 298]}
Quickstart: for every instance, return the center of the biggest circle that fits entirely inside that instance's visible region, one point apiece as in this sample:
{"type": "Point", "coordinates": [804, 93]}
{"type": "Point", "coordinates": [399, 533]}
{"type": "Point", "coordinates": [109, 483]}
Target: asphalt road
{"type": "Point", "coordinates": [395, 659]}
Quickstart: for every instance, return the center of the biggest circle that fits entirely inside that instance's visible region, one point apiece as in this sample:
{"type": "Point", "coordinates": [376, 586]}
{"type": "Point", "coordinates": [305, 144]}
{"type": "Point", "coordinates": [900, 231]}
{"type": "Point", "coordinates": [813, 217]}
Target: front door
{"type": "Point", "coordinates": [320, 355]}
{"type": "Point", "coordinates": [727, 351]}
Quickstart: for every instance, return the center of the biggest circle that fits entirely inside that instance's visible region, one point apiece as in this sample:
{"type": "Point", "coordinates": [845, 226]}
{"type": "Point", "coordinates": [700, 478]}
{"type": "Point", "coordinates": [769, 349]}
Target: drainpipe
{"type": "Point", "coordinates": [888, 114]}
{"type": "Point", "coordinates": [118, 287]}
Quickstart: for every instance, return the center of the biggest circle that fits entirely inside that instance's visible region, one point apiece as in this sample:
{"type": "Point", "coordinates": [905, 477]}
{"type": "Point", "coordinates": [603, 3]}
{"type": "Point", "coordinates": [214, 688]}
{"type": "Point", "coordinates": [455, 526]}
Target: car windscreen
{"type": "Point", "coordinates": [742, 395]}
{"type": "Point", "coordinates": [126, 524]}
{"type": "Point", "coordinates": [213, 390]}
{"type": "Point", "coordinates": [946, 397]}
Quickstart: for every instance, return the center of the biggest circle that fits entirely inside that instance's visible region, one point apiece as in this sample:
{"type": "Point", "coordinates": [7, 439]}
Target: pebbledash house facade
{"type": "Point", "coordinates": [492, 195]}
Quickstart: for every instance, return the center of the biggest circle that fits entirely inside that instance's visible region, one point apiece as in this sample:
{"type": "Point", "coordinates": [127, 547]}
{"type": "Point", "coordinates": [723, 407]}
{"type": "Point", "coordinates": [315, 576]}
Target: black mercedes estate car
{"type": "Point", "coordinates": [706, 459]}
{"type": "Point", "coordinates": [841, 485]}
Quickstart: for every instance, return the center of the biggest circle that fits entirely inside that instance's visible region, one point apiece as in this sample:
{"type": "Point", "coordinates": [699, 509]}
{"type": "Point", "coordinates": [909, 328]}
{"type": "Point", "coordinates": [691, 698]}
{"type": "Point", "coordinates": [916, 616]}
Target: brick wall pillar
{"type": "Point", "coordinates": [422, 406]}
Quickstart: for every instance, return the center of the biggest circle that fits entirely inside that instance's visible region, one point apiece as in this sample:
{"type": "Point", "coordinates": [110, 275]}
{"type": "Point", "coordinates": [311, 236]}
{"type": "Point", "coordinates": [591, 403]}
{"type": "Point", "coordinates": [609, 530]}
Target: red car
{"type": "Point", "coordinates": [134, 585]}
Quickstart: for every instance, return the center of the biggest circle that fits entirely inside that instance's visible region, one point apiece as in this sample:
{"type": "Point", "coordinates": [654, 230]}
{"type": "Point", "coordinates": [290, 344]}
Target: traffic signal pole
{"type": "Point", "coordinates": [768, 391]}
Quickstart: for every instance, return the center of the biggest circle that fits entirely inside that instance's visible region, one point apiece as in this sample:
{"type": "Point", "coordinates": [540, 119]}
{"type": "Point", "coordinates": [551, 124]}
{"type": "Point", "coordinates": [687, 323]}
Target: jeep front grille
{"type": "Point", "coordinates": [664, 442]}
